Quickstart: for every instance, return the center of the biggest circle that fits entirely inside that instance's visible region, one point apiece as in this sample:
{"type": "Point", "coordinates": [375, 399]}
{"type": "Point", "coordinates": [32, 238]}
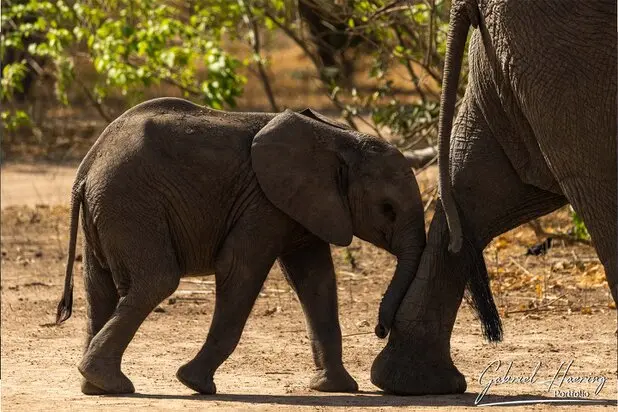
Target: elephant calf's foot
{"type": "Point", "coordinates": [333, 380]}
{"type": "Point", "coordinates": [89, 389]}
{"type": "Point", "coordinates": [103, 376]}
{"type": "Point", "coordinates": [194, 378]}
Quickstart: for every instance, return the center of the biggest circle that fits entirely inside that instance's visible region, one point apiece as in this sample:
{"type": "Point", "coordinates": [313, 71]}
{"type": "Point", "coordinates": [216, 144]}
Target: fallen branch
{"type": "Point", "coordinates": [430, 201]}
{"type": "Point", "coordinates": [199, 282]}
{"type": "Point", "coordinates": [521, 267]}
{"type": "Point", "coordinates": [542, 233]}
{"type": "Point", "coordinates": [194, 292]}
{"type": "Point", "coordinates": [349, 274]}
{"type": "Point", "coordinates": [419, 158]}
{"type": "Point", "coordinates": [356, 334]}
{"type": "Point", "coordinates": [542, 307]}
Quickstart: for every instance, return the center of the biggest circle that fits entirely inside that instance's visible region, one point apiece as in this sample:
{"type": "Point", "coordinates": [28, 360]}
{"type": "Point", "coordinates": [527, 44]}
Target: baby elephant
{"type": "Point", "coordinates": [172, 189]}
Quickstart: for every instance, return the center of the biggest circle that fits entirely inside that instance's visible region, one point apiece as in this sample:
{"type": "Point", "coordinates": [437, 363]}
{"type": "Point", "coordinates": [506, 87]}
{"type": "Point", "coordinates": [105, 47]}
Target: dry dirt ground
{"type": "Point", "coordinates": [556, 308]}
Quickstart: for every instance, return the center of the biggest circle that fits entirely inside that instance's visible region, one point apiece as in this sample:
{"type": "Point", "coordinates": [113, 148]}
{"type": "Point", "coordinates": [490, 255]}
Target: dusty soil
{"type": "Point", "coordinates": [35, 184]}
{"type": "Point", "coordinates": [556, 308]}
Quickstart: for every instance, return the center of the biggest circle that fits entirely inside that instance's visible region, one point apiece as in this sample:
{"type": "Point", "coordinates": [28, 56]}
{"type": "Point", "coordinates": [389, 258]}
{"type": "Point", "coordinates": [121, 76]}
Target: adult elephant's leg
{"type": "Point", "coordinates": [241, 268]}
{"type": "Point", "coordinates": [149, 277]}
{"type": "Point", "coordinates": [416, 359]}
{"type": "Point", "coordinates": [492, 199]}
{"type": "Point", "coordinates": [309, 269]}
{"type": "Point", "coordinates": [102, 298]}
{"type": "Point", "coordinates": [595, 201]}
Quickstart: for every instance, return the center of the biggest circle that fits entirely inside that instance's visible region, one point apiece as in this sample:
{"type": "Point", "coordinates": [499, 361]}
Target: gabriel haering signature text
{"type": "Point", "coordinates": [562, 382]}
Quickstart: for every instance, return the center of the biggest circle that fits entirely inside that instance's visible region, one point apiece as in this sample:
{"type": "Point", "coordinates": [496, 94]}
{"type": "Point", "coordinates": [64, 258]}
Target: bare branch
{"type": "Point", "coordinates": [422, 169]}
{"type": "Point", "coordinates": [190, 90]}
{"type": "Point", "coordinates": [413, 77]}
{"type": "Point", "coordinates": [430, 38]}
{"type": "Point", "coordinates": [256, 45]}
{"type": "Point", "coordinates": [290, 33]}
{"type": "Point", "coordinates": [346, 114]}
{"type": "Point", "coordinates": [332, 96]}
{"type": "Point", "coordinates": [97, 105]}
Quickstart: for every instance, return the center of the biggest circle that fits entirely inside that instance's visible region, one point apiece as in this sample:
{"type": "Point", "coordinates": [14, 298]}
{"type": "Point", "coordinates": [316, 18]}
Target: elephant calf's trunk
{"type": "Point", "coordinates": [397, 289]}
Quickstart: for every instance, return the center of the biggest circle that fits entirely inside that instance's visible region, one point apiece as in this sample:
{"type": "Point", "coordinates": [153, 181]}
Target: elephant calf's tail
{"type": "Point", "coordinates": [65, 306]}
{"type": "Point", "coordinates": [463, 14]}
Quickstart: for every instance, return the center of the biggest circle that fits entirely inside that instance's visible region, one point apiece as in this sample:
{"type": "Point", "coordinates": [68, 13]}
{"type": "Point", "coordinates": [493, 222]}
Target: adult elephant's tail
{"type": "Point", "coordinates": [463, 14]}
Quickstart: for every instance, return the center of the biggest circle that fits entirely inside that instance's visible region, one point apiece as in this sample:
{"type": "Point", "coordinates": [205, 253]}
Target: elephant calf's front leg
{"type": "Point", "coordinates": [310, 271]}
{"type": "Point", "coordinates": [239, 280]}
{"type": "Point", "coordinates": [240, 271]}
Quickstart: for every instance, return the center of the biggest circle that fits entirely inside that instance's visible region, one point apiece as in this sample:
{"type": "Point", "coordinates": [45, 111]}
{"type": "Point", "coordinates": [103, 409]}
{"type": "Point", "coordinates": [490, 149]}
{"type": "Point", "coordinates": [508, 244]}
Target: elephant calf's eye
{"type": "Point", "coordinates": [389, 211]}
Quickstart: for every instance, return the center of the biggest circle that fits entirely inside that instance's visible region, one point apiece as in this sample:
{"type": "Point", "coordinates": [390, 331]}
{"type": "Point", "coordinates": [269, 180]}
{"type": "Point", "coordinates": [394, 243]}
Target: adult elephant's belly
{"type": "Point", "coordinates": [501, 107]}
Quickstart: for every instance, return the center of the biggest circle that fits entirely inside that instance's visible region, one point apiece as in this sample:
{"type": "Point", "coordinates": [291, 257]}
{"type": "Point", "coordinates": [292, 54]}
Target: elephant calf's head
{"type": "Point", "coordinates": [337, 183]}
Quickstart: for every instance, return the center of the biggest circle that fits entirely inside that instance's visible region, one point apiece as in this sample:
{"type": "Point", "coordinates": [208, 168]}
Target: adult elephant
{"type": "Point", "coordinates": [536, 129]}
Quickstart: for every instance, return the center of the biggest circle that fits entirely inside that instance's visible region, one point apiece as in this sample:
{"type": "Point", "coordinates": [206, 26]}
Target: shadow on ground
{"type": "Point", "coordinates": [378, 399]}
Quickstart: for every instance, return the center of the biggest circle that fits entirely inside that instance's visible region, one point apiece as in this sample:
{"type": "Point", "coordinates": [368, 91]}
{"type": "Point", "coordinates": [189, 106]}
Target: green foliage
{"type": "Point", "coordinates": [579, 228]}
{"type": "Point", "coordinates": [406, 119]}
{"type": "Point", "coordinates": [404, 44]}
{"type": "Point", "coordinates": [12, 78]}
{"type": "Point", "coordinates": [410, 39]}
{"type": "Point", "coordinates": [349, 258]}
{"type": "Point", "coordinates": [13, 120]}
{"type": "Point", "coordinates": [134, 45]}
{"type": "Point", "coordinates": [131, 45]}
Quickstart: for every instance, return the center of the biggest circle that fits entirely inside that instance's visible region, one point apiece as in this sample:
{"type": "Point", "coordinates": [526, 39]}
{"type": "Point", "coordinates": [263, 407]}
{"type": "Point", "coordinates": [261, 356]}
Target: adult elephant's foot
{"type": "Point", "coordinates": [416, 372]}
{"type": "Point", "coordinates": [333, 380]}
{"type": "Point", "coordinates": [192, 376]}
{"type": "Point", "coordinates": [105, 375]}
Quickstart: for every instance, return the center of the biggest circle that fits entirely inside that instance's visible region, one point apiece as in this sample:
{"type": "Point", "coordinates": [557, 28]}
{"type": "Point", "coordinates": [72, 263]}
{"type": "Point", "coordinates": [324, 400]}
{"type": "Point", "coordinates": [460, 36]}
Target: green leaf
{"type": "Point", "coordinates": [168, 57]}
{"type": "Point", "coordinates": [579, 228]}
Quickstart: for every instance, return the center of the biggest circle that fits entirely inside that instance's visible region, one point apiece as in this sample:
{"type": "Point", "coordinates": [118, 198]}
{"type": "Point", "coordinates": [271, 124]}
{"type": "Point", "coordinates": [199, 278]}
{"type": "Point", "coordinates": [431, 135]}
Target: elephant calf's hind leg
{"type": "Point", "coordinates": [102, 298]}
{"type": "Point", "coordinates": [151, 282]}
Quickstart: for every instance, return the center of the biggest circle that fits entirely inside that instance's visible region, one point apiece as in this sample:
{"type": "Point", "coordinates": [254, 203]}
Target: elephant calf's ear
{"type": "Point", "coordinates": [321, 118]}
{"type": "Point", "coordinates": [297, 164]}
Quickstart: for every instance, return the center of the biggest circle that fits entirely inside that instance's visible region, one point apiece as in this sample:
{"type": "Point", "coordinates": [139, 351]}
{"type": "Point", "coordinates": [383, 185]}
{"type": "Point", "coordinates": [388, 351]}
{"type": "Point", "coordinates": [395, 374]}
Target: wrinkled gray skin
{"type": "Point", "coordinates": [172, 189]}
{"type": "Point", "coordinates": [536, 129]}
